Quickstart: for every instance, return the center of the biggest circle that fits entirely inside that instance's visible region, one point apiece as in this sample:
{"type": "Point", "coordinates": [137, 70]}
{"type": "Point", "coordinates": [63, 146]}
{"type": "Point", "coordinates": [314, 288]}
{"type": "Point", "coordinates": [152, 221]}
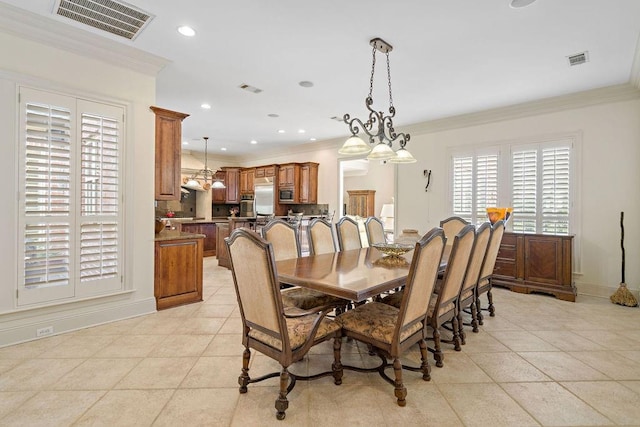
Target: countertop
{"type": "Point", "coordinates": [165, 235]}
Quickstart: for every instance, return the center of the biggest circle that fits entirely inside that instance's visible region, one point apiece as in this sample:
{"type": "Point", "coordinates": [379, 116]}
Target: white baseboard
{"type": "Point", "coordinates": [70, 320]}
{"type": "Point", "coordinates": [593, 290]}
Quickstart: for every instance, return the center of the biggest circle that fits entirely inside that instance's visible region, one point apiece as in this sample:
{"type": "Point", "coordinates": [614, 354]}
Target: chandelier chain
{"type": "Point", "coordinates": [373, 70]}
{"type": "Point", "coordinates": [389, 80]}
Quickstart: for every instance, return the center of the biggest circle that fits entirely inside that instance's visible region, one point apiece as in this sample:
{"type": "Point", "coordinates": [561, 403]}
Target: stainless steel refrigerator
{"type": "Point", "coordinates": [264, 196]}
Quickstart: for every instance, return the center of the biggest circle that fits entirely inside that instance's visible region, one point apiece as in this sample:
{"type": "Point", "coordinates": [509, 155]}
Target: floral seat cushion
{"type": "Point", "coordinates": [298, 329]}
{"type": "Point", "coordinates": [377, 321]}
{"type": "Point", "coordinates": [307, 299]}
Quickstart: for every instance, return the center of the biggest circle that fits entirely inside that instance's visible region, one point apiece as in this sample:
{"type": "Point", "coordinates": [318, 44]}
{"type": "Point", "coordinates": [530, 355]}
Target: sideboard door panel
{"type": "Point", "coordinates": [544, 260]}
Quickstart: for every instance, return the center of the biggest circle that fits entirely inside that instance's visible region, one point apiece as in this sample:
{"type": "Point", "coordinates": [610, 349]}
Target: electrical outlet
{"type": "Point", "coordinates": [43, 332]}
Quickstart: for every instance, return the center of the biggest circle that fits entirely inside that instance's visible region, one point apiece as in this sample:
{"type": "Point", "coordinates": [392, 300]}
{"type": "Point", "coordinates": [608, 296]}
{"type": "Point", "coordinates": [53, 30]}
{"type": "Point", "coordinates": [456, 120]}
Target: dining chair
{"type": "Point", "coordinates": [375, 230]}
{"type": "Point", "coordinates": [484, 282]}
{"type": "Point", "coordinates": [348, 234]}
{"type": "Point", "coordinates": [283, 237]}
{"type": "Point", "coordinates": [452, 226]}
{"type": "Point", "coordinates": [320, 236]}
{"type": "Point", "coordinates": [391, 331]}
{"type": "Point", "coordinates": [467, 298]}
{"type": "Point", "coordinates": [285, 336]}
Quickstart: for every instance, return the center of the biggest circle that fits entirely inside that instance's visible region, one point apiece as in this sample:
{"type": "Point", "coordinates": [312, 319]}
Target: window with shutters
{"type": "Point", "coordinates": [474, 185]}
{"type": "Point", "coordinates": [70, 197]}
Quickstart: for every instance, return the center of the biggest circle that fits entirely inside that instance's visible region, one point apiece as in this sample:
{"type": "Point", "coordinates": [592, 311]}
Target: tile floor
{"type": "Point", "coordinates": [541, 361]}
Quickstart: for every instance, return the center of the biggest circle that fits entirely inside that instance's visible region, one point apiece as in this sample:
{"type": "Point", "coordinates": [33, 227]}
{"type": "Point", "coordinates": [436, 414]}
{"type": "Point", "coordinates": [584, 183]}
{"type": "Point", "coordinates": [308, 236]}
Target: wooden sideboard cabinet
{"type": "Point", "coordinates": [168, 153]}
{"type": "Point", "coordinates": [206, 228]}
{"type": "Point", "coordinates": [362, 202]}
{"type": "Point", "coordinates": [178, 272]}
{"type": "Point", "coordinates": [536, 263]}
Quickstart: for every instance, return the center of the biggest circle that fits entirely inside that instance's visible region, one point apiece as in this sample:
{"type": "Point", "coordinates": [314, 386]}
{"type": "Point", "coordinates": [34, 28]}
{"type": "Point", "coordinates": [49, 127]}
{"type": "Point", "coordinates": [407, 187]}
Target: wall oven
{"type": "Point", "coordinates": [286, 195]}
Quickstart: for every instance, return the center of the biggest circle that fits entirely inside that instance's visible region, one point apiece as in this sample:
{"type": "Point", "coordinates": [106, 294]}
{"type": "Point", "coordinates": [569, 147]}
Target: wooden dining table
{"type": "Point", "coordinates": [355, 275]}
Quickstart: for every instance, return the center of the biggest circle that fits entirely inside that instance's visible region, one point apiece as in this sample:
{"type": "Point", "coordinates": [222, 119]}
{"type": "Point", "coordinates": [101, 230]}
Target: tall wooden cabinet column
{"type": "Point", "coordinates": [168, 153]}
{"type": "Point", "coordinates": [362, 202]}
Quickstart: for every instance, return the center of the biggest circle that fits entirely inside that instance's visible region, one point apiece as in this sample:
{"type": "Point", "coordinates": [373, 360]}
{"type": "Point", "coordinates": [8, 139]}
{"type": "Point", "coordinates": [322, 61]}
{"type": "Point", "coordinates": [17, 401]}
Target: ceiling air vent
{"type": "Point", "coordinates": [578, 58]}
{"type": "Point", "coordinates": [111, 16]}
{"type": "Point", "coordinates": [250, 88]}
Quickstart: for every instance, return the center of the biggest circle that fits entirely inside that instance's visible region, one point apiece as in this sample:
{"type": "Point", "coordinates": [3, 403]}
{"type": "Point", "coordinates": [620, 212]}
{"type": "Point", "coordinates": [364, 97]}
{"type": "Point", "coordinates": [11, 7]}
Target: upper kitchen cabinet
{"type": "Point", "coordinates": [247, 178]}
{"type": "Point", "coordinates": [219, 195]}
{"type": "Point", "coordinates": [168, 153]}
{"type": "Point", "coordinates": [232, 184]}
{"type": "Point", "coordinates": [266, 171]}
{"type": "Point", "coordinates": [309, 183]}
{"type": "Point", "coordinates": [298, 183]}
{"type": "Point", "coordinates": [289, 175]}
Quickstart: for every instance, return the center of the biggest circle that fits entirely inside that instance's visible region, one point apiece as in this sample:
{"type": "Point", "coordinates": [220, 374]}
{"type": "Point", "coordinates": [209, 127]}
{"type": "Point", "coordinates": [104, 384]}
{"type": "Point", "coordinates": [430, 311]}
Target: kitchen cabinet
{"type": "Point", "coordinates": [247, 178]}
{"type": "Point", "coordinates": [219, 195]}
{"type": "Point", "coordinates": [209, 230]}
{"type": "Point", "coordinates": [222, 253]}
{"type": "Point", "coordinates": [168, 153]}
{"type": "Point", "coordinates": [232, 182]}
{"type": "Point", "coordinates": [308, 183]}
{"type": "Point", "coordinates": [536, 263]}
{"type": "Point", "coordinates": [362, 202]}
{"type": "Point", "coordinates": [266, 172]}
{"type": "Point", "coordinates": [178, 272]}
{"type": "Point", "coordinates": [288, 175]}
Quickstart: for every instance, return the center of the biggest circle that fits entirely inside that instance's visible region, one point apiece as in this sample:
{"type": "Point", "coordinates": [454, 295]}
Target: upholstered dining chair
{"type": "Point", "coordinates": [321, 237]}
{"type": "Point", "coordinates": [452, 226]}
{"type": "Point", "coordinates": [283, 335]}
{"type": "Point", "coordinates": [283, 237]}
{"type": "Point", "coordinates": [467, 298]}
{"type": "Point", "coordinates": [484, 283]}
{"type": "Point", "coordinates": [390, 331]}
{"type": "Point", "coordinates": [375, 230]}
{"type": "Point", "coordinates": [348, 234]}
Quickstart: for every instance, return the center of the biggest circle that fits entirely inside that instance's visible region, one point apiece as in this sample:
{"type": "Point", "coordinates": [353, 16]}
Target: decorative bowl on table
{"type": "Point", "coordinates": [393, 249]}
{"type": "Point", "coordinates": [497, 214]}
{"type": "Point", "coordinates": [391, 262]}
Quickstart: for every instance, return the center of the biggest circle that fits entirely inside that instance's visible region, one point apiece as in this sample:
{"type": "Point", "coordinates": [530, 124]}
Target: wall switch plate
{"type": "Point", "coordinates": [43, 332]}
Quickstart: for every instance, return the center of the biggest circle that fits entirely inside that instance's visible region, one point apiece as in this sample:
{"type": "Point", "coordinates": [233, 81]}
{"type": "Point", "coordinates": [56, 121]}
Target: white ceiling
{"type": "Point", "coordinates": [450, 58]}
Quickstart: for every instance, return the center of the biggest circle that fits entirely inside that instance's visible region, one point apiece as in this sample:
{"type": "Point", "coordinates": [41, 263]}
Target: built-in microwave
{"type": "Point", "coordinates": [286, 195]}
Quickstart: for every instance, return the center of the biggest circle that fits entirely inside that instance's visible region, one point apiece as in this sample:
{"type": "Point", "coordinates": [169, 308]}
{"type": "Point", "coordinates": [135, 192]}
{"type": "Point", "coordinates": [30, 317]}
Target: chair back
{"type": "Point", "coordinates": [375, 230]}
{"type": "Point", "coordinates": [348, 234]}
{"type": "Point", "coordinates": [456, 267]}
{"type": "Point", "coordinates": [320, 234]}
{"type": "Point", "coordinates": [256, 284]}
{"type": "Point", "coordinates": [483, 235]}
{"type": "Point", "coordinates": [283, 236]}
{"type": "Point", "coordinates": [452, 226]}
{"type": "Point", "coordinates": [422, 277]}
{"type": "Point", "coordinates": [492, 252]}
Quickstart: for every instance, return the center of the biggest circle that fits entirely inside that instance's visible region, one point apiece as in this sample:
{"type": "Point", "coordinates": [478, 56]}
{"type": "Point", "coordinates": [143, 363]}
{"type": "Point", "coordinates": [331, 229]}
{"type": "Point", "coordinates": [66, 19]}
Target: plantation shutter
{"type": "Point", "coordinates": [486, 181]}
{"type": "Point", "coordinates": [474, 185]}
{"type": "Point", "coordinates": [555, 190]}
{"type": "Point", "coordinates": [463, 187]}
{"type": "Point", "coordinates": [524, 194]}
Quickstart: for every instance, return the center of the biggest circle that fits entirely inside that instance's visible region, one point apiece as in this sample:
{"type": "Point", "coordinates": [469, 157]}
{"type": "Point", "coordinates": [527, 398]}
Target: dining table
{"type": "Point", "coordinates": [355, 275]}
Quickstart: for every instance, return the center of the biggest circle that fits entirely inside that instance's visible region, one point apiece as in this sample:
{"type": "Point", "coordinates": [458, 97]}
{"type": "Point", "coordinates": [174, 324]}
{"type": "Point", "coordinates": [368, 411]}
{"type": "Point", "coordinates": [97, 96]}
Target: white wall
{"type": "Point", "coordinates": [43, 67]}
{"type": "Point", "coordinates": [610, 178]}
{"type": "Point", "coordinates": [380, 177]}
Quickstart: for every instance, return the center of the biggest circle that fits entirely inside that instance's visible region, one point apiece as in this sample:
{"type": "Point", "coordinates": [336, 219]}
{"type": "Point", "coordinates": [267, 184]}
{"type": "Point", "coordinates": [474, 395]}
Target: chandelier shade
{"type": "Point", "coordinates": [193, 181]}
{"type": "Point", "coordinates": [377, 126]}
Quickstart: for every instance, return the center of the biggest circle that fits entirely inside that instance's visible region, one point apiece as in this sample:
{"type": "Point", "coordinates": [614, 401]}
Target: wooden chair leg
{"type": "Point", "coordinates": [336, 367]}
{"type": "Point", "coordinates": [456, 334]}
{"type": "Point", "coordinates": [426, 369]}
{"type": "Point", "coordinates": [461, 332]}
{"type": "Point", "coordinates": [281, 402]}
{"type": "Point", "coordinates": [437, 354]}
{"type": "Point", "coordinates": [400, 390]}
{"type": "Point", "coordinates": [492, 309]}
{"type": "Point", "coordinates": [474, 317]}
{"type": "Point", "coordinates": [243, 379]}
{"type": "Point", "coordinates": [479, 311]}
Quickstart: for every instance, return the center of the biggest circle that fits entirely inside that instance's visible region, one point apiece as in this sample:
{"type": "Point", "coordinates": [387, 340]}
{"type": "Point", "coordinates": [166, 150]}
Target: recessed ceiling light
{"type": "Point", "coordinates": [187, 31]}
{"type": "Point", "coordinates": [253, 141]}
{"type": "Point", "coordinates": [301, 131]}
{"type": "Point", "coordinates": [205, 106]}
{"type": "Point", "coordinates": [306, 83]}
{"type": "Point", "coordinates": [312, 139]}
{"type": "Point", "coordinates": [223, 149]}
{"type": "Point", "coordinates": [273, 115]}
{"type": "Point", "coordinates": [281, 131]}
{"type": "Point", "coordinates": [185, 143]}
{"type": "Point", "coordinates": [520, 3]}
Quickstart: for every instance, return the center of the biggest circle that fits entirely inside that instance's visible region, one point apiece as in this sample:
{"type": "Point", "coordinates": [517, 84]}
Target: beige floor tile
{"type": "Point", "coordinates": [33, 348]}
{"type": "Point", "coordinates": [52, 408]}
{"type": "Point", "coordinates": [214, 372]}
{"type": "Point", "coordinates": [568, 341]}
{"type": "Point", "coordinates": [182, 311]}
{"type": "Point", "coordinates": [199, 407]}
{"type": "Point", "coordinates": [223, 299]}
{"type": "Point", "coordinates": [612, 399]}
{"type": "Point", "coordinates": [507, 367]}
{"type": "Point", "coordinates": [610, 340]}
{"type": "Point", "coordinates": [96, 374]}
{"type": "Point", "coordinates": [633, 385]}
{"type": "Point", "coordinates": [126, 408]}
{"type": "Point", "coordinates": [482, 342]}
{"type": "Point", "coordinates": [154, 324]}
{"type": "Point", "coordinates": [215, 310]}
{"type": "Point", "coordinates": [225, 345]}
{"type": "Point", "coordinates": [471, 404]}
{"type": "Point", "coordinates": [79, 346]}
{"type": "Point", "coordinates": [553, 405]}
{"type": "Point", "coordinates": [201, 326]}
{"type": "Point", "coordinates": [257, 408]}
{"type": "Point", "coordinates": [8, 364]}
{"type": "Point", "coordinates": [182, 346]}
{"type": "Point", "coordinates": [522, 341]}
{"type": "Point", "coordinates": [631, 354]}
{"type": "Point", "coordinates": [610, 363]}
{"type": "Point", "coordinates": [562, 366]}
{"type": "Point", "coordinates": [426, 406]}
{"type": "Point", "coordinates": [364, 405]}
{"type": "Point", "coordinates": [458, 368]}
{"type": "Point", "coordinates": [130, 346]}
{"type": "Point", "coordinates": [114, 328]}
{"type": "Point", "coordinates": [10, 400]}
{"type": "Point", "coordinates": [498, 323]}
{"type": "Point", "coordinates": [233, 325]}
{"type": "Point", "coordinates": [158, 373]}
{"type": "Point", "coordinates": [36, 374]}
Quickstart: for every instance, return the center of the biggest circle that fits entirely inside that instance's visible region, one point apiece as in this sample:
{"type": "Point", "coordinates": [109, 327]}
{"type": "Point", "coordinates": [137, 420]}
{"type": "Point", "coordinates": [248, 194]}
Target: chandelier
{"type": "Point", "coordinates": [204, 174]}
{"type": "Point", "coordinates": [378, 126]}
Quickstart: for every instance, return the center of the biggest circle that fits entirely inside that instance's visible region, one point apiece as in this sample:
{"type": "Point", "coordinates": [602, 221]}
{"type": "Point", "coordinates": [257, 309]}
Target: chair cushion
{"type": "Point", "coordinates": [307, 299]}
{"type": "Point", "coordinates": [299, 329]}
{"type": "Point", "coordinates": [394, 299]}
{"type": "Point", "coordinates": [376, 321]}
{"type": "Point", "coordinates": [466, 294]}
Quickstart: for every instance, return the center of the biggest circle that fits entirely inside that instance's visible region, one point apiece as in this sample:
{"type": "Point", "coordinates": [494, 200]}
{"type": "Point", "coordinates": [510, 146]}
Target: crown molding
{"type": "Point", "coordinates": [617, 93]}
{"type": "Point", "coordinates": [307, 147]}
{"type": "Point", "coordinates": [50, 32]}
